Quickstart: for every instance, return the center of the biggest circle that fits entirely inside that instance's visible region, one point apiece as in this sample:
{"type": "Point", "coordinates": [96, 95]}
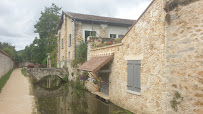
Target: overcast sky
{"type": "Point", "coordinates": [18, 17]}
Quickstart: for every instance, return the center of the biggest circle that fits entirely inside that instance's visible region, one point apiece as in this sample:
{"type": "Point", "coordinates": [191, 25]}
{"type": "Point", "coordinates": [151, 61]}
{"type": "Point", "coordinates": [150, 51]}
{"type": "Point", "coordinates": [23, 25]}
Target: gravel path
{"type": "Point", "coordinates": [15, 97]}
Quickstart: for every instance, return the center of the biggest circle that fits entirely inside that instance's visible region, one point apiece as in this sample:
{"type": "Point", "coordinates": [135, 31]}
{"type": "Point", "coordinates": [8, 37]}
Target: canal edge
{"type": "Point", "coordinates": [31, 92]}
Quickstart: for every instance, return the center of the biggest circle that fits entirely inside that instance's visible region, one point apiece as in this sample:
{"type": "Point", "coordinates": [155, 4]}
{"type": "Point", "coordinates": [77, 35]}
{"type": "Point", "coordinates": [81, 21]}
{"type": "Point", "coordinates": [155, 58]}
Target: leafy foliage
{"type": "Point", "coordinates": [84, 76]}
{"type": "Point", "coordinates": [23, 71]}
{"type": "Point", "coordinates": [46, 27]}
{"type": "Point", "coordinates": [9, 49]}
{"type": "Point", "coordinates": [81, 54]}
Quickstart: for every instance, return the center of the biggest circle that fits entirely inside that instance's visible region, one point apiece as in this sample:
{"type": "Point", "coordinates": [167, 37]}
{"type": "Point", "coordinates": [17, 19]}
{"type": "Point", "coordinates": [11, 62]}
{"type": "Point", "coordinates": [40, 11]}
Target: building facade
{"type": "Point", "coordinates": [158, 67]}
{"type": "Point", "coordinates": [75, 27]}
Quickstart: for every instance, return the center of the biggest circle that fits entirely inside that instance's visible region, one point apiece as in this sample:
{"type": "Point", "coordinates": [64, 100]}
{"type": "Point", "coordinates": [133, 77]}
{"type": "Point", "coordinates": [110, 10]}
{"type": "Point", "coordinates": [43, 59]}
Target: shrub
{"type": "Point", "coordinates": [84, 76]}
{"type": "Point", "coordinates": [78, 84]}
{"type": "Point", "coordinates": [81, 55]}
{"type": "Point", "coordinates": [23, 71]}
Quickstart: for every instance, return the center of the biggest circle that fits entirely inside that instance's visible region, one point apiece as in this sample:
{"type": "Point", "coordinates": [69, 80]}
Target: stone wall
{"type": "Point", "coordinates": [146, 41]}
{"type": "Point", "coordinates": [6, 63]}
{"type": "Point", "coordinates": [184, 54]}
{"type": "Point", "coordinates": [171, 61]}
{"type": "Point", "coordinates": [93, 41]}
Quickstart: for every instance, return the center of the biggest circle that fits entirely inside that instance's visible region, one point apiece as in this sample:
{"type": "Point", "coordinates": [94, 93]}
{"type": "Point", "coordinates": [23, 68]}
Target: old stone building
{"type": "Point", "coordinates": [158, 66]}
{"type": "Point", "coordinates": [75, 27]}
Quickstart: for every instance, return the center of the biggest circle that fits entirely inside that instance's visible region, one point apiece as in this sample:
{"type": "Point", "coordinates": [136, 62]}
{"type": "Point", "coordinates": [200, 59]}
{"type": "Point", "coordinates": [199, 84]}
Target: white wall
{"type": "Point", "coordinates": [89, 27]}
{"type": "Point", "coordinates": [117, 30]}
{"type": "Point", "coordinates": [110, 30]}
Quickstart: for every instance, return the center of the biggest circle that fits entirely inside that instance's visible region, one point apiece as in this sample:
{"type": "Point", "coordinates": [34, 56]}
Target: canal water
{"type": "Point", "coordinates": [55, 96]}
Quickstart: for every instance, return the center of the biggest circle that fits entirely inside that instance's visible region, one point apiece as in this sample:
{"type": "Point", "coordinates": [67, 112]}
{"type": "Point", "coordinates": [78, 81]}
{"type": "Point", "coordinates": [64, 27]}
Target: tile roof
{"type": "Point", "coordinates": [95, 63]}
{"type": "Point", "coordinates": [4, 53]}
{"type": "Point", "coordinates": [99, 18]}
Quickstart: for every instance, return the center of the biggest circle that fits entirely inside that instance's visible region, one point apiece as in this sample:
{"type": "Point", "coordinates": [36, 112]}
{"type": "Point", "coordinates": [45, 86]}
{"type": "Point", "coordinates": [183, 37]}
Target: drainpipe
{"type": "Point", "coordinates": [74, 37]}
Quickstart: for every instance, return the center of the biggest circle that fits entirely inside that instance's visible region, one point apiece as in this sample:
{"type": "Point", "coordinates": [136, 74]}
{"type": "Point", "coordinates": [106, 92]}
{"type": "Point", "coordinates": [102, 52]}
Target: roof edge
{"type": "Point", "coordinates": [5, 53]}
{"type": "Point", "coordinates": [139, 18]}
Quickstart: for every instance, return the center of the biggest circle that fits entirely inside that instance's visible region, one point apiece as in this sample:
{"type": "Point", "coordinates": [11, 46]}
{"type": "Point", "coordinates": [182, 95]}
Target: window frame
{"type": "Point", "coordinates": [113, 35]}
{"type": "Point", "coordinates": [90, 32]}
{"type": "Point", "coordinates": [119, 36]}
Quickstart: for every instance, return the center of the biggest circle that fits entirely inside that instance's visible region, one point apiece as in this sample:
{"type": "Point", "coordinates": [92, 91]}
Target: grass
{"type": "Point", "coordinates": [23, 71]}
{"type": "Point", "coordinates": [122, 112]}
{"type": "Point", "coordinates": [4, 79]}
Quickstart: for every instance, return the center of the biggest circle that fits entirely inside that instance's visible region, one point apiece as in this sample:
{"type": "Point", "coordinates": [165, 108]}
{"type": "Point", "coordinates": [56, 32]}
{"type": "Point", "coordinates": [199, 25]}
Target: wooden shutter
{"type": "Point", "coordinates": [130, 75]}
{"type": "Point", "coordinates": [137, 72]}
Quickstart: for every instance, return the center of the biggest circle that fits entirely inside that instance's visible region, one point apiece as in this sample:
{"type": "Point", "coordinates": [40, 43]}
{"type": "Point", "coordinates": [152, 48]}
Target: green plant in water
{"type": "Point", "coordinates": [177, 99]}
{"type": "Point", "coordinates": [78, 84]}
{"type": "Point", "coordinates": [65, 78]}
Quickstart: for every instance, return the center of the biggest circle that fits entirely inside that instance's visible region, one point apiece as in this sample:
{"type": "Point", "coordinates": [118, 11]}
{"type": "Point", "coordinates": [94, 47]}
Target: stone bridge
{"type": "Point", "coordinates": [39, 73]}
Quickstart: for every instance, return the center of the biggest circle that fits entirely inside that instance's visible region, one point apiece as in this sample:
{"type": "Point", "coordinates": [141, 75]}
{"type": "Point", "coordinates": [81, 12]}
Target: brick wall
{"type": "Point", "coordinates": [6, 63]}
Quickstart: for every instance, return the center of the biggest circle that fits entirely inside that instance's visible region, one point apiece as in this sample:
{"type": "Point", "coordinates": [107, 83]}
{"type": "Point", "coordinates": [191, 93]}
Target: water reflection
{"type": "Point", "coordinates": [69, 100]}
{"type": "Point", "coordinates": [50, 82]}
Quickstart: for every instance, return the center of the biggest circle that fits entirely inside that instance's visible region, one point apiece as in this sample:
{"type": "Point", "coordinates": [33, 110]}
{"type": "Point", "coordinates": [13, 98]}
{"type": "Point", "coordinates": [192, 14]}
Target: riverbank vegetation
{"type": "Point", "coordinates": [4, 79]}
{"type": "Point", "coordinates": [23, 71]}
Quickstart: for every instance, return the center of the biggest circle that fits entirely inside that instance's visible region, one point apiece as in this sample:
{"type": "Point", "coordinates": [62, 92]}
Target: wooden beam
{"type": "Point", "coordinates": [104, 71]}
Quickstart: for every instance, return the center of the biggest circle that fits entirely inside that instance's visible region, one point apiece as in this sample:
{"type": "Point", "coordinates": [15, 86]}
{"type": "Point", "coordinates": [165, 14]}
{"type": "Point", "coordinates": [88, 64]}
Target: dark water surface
{"type": "Point", "coordinates": [57, 97]}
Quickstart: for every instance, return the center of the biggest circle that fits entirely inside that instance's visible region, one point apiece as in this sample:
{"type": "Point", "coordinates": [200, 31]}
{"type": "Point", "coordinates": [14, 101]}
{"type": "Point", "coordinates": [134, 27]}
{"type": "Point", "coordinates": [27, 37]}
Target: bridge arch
{"type": "Point", "coordinates": [39, 73]}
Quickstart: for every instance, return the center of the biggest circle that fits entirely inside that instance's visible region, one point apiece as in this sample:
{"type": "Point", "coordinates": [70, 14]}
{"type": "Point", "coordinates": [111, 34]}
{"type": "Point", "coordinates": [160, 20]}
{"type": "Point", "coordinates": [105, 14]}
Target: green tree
{"type": "Point", "coordinates": [19, 56]}
{"type": "Point", "coordinates": [9, 51]}
{"type": "Point", "coordinates": [46, 27]}
{"type": "Point", "coordinates": [81, 53]}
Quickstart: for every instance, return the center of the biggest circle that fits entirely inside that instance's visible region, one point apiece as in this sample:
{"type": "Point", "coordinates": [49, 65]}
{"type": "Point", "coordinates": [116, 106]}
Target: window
{"type": "Point", "coordinates": [112, 35]}
{"type": "Point", "coordinates": [89, 33]}
{"type": "Point", "coordinates": [62, 43]}
{"type": "Point", "coordinates": [120, 36]}
{"type": "Point", "coordinates": [134, 71]}
{"type": "Point", "coordinates": [69, 40]}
